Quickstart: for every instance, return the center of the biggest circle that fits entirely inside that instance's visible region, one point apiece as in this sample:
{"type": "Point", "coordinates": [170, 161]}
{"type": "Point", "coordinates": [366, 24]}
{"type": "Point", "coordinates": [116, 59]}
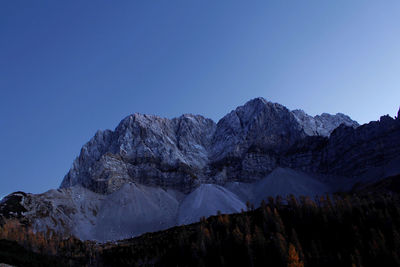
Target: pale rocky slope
{"type": "Point", "coordinates": [152, 173]}
{"type": "Point", "coordinates": [135, 209]}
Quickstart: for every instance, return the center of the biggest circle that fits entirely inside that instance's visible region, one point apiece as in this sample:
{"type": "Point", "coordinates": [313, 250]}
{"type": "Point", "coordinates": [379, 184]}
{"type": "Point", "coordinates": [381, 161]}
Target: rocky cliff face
{"type": "Point", "coordinates": [151, 173]}
{"type": "Point", "coordinates": [324, 124]}
{"type": "Point", "coordinates": [146, 149]}
{"type": "Point", "coordinates": [371, 150]}
{"type": "Point", "coordinates": [185, 152]}
{"type": "Point", "coordinates": [247, 141]}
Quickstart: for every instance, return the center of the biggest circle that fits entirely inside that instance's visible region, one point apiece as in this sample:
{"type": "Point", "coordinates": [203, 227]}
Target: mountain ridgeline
{"type": "Point", "coordinates": [185, 152]}
{"type": "Point", "coordinates": [154, 173]}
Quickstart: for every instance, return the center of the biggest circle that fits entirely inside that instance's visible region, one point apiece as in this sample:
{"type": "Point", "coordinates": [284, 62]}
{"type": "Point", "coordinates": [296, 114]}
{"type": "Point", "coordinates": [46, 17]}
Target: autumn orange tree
{"type": "Point", "coordinates": [293, 257]}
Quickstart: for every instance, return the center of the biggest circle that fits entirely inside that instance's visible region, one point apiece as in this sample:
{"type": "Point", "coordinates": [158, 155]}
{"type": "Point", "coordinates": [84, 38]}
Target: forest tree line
{"type": "Point", "coordinates": [347, 230]}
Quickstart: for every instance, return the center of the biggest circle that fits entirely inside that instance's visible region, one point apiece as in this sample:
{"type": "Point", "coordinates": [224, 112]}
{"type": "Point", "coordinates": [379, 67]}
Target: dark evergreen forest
{"type": "Point", "coordinates": [354, 229]}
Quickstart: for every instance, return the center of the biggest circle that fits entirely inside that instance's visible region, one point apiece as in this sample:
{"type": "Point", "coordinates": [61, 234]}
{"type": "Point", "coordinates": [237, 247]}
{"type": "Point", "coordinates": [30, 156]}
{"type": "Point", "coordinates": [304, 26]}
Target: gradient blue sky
{"type": "Point", "coordinates": [68, 68]}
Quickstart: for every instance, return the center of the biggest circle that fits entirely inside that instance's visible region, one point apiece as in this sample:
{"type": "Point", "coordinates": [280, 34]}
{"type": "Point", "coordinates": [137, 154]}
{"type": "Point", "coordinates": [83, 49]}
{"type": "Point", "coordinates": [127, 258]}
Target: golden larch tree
{"type": "Point", "coordinates": [293, 258]}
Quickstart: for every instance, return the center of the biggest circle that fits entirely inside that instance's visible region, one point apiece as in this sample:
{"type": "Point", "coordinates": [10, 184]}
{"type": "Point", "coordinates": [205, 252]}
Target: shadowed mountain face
{"type": "Point", "coordinates": [152, 173]}
{"type": "Point", "coordinates": [369, 151]}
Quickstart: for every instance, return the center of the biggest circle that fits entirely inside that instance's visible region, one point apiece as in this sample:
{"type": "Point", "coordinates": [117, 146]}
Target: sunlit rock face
{"type": "Point", "coordinates": [184, 152]}
{"type": "Point", "coordinates": [151, 173]}
{"type": "Point", "coordinates": [146, 149]}
{"type": "Point", "coordinates": [324, 124]}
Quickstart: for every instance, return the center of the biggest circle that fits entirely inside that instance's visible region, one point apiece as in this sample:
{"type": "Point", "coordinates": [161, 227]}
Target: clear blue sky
{"type": "Point", "coordinates": [68, 68]}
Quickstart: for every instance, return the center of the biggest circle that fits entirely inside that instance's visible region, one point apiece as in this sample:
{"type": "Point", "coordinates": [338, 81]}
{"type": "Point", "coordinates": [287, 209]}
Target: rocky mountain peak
{"type": "Point", "coordinates": [144, 148]}
{"type": "Point", "coordinates": [189, 150]}
{"type": "Point", "coordinates": [323, 124]}
{"type": "Point", "coordinates": [398, 114]}
{"type": "Point", "coordinates": [152, 173]}
{"type": "Point", "coordinates": [258, 123]}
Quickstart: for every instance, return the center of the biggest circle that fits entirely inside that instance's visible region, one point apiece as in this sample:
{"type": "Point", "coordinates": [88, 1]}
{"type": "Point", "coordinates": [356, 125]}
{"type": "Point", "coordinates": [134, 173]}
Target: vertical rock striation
{"type": "Point", "coordinates": [152, 173]}
{"type": "Point", "coordinates": [323, 124]}
{"type": "Point", "coordinates": [373, 147]}
{"type": "Point", "coordinates": [184, 152]}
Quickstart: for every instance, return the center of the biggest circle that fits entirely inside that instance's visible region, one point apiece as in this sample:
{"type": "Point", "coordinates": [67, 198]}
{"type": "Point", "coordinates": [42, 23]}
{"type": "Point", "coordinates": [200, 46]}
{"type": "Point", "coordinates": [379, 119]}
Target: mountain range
{"type": "Point", "coordinates": [152, 173]}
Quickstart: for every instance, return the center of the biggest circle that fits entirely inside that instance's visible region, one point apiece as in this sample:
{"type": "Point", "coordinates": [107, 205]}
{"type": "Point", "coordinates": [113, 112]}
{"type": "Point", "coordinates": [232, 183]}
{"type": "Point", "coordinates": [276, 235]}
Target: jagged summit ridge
{"type": "Point", "coordinates": [323, 124]}
{"type": "Point", "coordinates": [152, 173]}
{"type": "Point", "coordinates": [139, 143]}
{"type": "Point", "coordinates": [257, 123]}
{"type": "Point", "coordinates": [189, 150]}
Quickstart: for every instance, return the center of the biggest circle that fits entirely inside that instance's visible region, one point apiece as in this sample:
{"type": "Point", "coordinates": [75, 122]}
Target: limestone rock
{"type": "Point", "coordinates": [323, 124]}
{"type": "Point", "coordinates": [151, 173]}
{"type": "Point", "coordinates": [368, 150]}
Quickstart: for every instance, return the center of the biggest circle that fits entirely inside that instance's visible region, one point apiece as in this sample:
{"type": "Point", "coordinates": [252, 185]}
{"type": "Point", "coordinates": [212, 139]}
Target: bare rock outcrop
{"type": "Point", "coordinates": [184, 152]}
{"type": "Point", "coordinates": [151, 173]}
{"type": "Point", "coordinates": [372, 149]}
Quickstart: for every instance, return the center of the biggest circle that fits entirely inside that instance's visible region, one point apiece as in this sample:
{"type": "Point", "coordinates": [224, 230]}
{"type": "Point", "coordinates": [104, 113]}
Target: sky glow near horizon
{"type": "Point", "coordinates": [70, 68]}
